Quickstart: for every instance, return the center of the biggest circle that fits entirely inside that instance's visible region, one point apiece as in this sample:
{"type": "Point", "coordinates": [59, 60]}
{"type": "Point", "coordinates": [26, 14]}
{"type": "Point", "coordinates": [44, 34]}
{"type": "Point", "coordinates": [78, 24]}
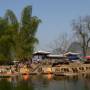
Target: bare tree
{"type": "Point", "coordinates": [81, 28]}
{"type": "Point", "coordinates": [60, 45]}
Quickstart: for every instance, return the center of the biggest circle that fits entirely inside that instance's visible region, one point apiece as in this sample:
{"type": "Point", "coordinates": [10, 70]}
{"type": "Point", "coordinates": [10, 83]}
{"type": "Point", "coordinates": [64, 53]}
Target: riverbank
{"type": "Point", "coordinates": [65, 69]}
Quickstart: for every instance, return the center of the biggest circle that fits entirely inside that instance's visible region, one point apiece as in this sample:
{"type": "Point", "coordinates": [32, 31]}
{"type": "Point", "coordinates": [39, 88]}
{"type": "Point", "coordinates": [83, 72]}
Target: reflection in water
{"type": "Point", "coordinates": [40, 82]}
{"type": "Point", "coordinates": [49, 76]}
{"type": "Point", "coordinates": [46, 82]}
{"type": "Point", "coordinates": [25, 77]}
{"type": "Point", "coordinates": [22, 85]}
{"type": "Point", "coordinates": [5, 85]}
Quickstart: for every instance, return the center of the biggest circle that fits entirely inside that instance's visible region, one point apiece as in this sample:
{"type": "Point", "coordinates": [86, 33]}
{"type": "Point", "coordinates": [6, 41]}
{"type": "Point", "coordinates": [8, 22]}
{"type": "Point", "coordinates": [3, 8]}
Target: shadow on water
{"type": "Point", "coordinates": [21, 85]}
{"type": "Point", "coordinates": [5, 85]}
{"type": "Point", "coordinates": [24, 85]}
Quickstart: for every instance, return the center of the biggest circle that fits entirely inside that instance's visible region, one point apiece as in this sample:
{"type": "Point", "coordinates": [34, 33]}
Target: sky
{"type": "Point", "coordinates": [56, 16]}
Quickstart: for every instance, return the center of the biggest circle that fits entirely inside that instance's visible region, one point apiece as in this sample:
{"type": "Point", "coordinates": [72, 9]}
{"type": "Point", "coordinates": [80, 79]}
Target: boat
{"type": "Point", "coordinates": [71, 69]}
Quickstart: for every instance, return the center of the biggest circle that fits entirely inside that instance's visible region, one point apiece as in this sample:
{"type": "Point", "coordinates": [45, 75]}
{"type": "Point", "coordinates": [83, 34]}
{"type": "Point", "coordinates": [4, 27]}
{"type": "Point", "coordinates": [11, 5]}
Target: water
{"type": "Point", "coordinates": [46, 82]}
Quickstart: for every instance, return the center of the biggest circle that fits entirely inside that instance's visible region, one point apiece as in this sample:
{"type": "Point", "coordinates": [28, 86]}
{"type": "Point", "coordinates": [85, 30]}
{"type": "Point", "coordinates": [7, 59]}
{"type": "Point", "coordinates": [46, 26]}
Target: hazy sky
{"type": "Point", "coordinates": [56, 15]}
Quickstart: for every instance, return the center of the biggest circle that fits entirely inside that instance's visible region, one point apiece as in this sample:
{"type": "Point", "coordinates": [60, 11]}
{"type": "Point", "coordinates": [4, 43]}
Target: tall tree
{"type": "Point", "coordinates": [5, 40]}
{"type": "Point", "coordinates": [29, 25]}
{"type": "Point", "coordinates": [81, 28]}
{"type": "Point", "coordinates": [19, 35]}
{"type": "Point", "coordinates": [13, 26]}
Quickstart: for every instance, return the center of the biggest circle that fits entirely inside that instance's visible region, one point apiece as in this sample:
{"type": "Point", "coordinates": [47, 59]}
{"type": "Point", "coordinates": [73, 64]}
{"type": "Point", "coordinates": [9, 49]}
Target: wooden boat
{"type": "Point", "coordinates": [71, 69]}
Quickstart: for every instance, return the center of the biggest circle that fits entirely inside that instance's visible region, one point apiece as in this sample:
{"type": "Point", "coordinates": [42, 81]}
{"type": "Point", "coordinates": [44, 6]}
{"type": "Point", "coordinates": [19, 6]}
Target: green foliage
{"type": "Point", "coordinates": [17, 38]}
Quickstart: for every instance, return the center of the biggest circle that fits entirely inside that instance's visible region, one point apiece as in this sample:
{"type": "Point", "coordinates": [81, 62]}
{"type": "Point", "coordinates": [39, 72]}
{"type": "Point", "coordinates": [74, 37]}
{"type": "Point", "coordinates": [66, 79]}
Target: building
{"type": "Point", "coordinates": [40, 55]}
{"type": "Point", "coordinates": [72, 56]}
{"type": "Point", "coordinates": [44, 55]}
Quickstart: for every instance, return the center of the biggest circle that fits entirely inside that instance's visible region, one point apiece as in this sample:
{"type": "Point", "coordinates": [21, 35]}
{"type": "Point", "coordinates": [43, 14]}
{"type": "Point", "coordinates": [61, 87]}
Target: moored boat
{"type": "Point", "coordinates": [71, 69]}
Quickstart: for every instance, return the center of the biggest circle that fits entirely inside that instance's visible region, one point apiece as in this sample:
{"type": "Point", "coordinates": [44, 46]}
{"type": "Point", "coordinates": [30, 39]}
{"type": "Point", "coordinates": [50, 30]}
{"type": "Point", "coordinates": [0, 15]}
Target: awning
{"type": "Point", "coordinates": [87, 57]}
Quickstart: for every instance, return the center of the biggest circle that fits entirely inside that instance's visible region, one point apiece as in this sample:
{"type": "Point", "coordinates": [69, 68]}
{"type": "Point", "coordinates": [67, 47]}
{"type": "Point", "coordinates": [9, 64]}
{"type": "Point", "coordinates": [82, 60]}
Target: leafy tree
{"type": "Point", "coordinates": [5, 40]}
{"type": "Point", "coordinates": [29, 25]}
{"type": "Point", "coordinates": [17, 38]}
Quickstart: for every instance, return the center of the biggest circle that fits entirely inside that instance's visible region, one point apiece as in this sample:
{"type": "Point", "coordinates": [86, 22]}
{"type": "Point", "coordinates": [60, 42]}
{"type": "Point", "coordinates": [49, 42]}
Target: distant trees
{"type": "Point", "coordinates": [61, 44]}
{"type": "Point", "coordinates": [81, 28]}
{"type": "Point", "coordinates": [17, 38]}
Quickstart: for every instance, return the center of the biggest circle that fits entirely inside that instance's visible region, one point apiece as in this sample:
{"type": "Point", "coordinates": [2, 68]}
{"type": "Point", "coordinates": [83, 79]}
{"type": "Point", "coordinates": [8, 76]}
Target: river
{"type": "Point", "coordinates": [46, 82]}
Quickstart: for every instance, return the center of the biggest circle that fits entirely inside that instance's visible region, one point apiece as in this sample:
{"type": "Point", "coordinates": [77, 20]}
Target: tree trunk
{"type": "Point", "coordinates": [84, 51]}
